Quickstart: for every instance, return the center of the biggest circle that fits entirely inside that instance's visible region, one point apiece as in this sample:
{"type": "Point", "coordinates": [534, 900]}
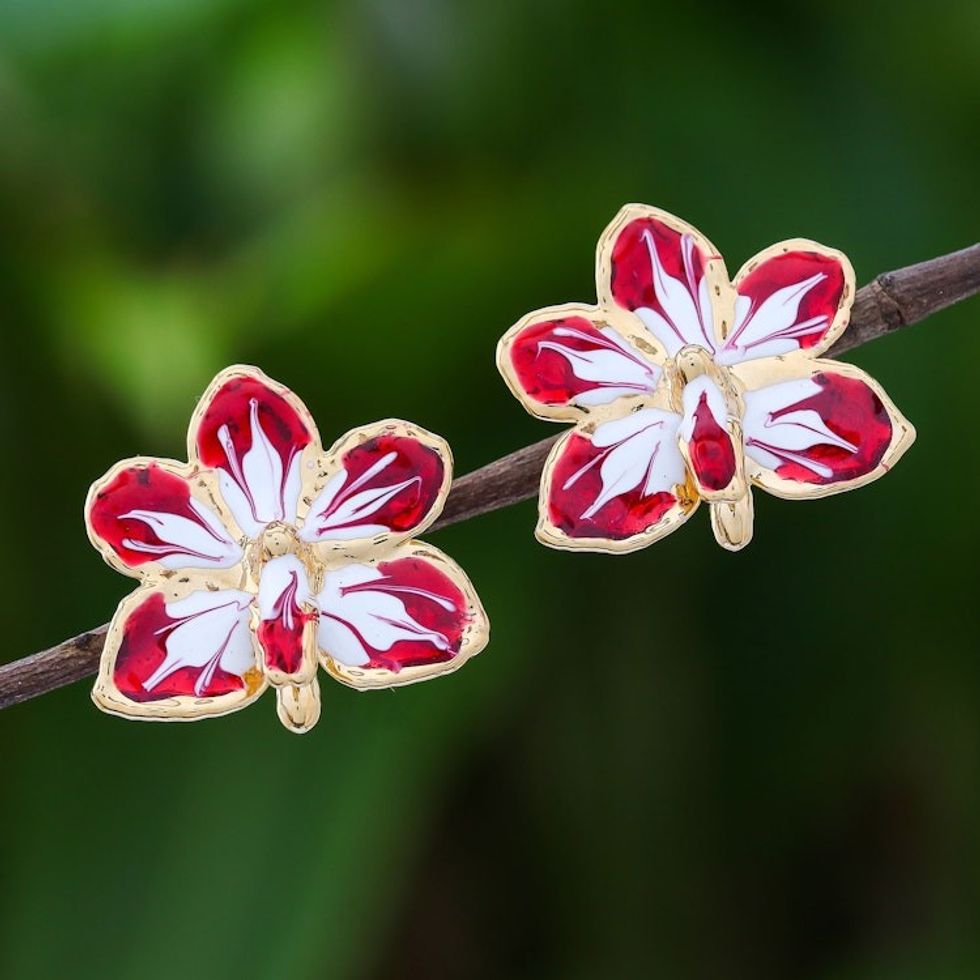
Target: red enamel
{"type": "Point", "coordinates": [143, 649]}
{"type": "Point", "coordinates": [710, 448]}
{"type": "Point", "coordinates": [547, 376]}
{"type": "Point", "coordinates": [231, 406]}
{"type": "Point", "coordinates": [281, 638]}
{"type": "Point", "coordinates": [146, 488]}
{"type": "Point", "coordinates": [820, 303]}
{"type": "Point", "coordinates": [632, 273]}
{"type": "Point", "coordinates": [425, 591]}
{"type": "Point", "coordinates": [418, 466]}
{"type": "Point", "coordinates": [853, 411]}
{"type": "Point", "coordinates": [622, 517]}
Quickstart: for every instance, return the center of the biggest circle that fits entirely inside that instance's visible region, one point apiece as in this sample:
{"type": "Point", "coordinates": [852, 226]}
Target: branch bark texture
{"type": "Point", "coordinates": [891, 301]}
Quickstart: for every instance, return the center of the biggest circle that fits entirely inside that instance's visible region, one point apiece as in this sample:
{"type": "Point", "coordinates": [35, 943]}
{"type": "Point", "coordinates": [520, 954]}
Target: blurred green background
{"type": "Point", "coordinates": [679, 763]}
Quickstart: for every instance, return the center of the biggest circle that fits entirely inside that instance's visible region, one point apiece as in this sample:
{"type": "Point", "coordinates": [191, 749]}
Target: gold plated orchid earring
{"type": "Point", "coordinates": [685, 386]}
{"type": "Point", "coordinates": [264, 556]}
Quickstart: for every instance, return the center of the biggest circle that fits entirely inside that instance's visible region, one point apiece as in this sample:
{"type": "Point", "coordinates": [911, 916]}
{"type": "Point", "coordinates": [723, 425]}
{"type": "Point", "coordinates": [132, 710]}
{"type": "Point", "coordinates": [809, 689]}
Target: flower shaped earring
{"type": "Point", "coordinates": [264, 555]}
{"type": "Point", "coordinates": [684, 385]}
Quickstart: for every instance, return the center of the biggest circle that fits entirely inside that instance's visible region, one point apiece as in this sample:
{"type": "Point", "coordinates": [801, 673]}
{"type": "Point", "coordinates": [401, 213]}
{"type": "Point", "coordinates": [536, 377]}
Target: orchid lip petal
{"type": "Point", "coordinates": [707, 439]}
{"type": "Point", "coordinates": [286, 605]}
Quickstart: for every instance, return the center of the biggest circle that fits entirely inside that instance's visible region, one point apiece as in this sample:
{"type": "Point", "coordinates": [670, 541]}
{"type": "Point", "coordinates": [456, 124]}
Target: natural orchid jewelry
{"type": "Point", "coordinates": [264, 554]}
{"type": "Point", "coordinates": [684, 385]}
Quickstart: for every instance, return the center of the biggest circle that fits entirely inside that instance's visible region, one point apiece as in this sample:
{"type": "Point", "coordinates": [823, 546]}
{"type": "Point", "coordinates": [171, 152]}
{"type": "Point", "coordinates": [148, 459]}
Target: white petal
{"type": "Point", "coordinates": [255, 487]}
{"type": "Point", "coordinates": [262, 469]}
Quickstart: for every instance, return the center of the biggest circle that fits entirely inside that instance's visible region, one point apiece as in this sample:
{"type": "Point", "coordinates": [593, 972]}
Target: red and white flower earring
{"type": "Point", "coordinates": [263, 556]}
{"type": "Point", "coordinates": [684, 385]}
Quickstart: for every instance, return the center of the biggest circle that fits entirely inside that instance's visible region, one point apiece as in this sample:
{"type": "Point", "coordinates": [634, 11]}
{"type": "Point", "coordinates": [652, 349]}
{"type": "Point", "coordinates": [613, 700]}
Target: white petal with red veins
{"type": "Point", "coordinates": [361, 611]}
{"type": "Point", "coordinates": [775, 441]}
{"type": "Point", "coordinates": [211, 631]}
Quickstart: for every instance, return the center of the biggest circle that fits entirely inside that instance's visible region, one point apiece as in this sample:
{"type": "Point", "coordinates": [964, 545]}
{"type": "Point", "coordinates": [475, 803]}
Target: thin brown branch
{"type": "Point", "coordinates": [891, 301]}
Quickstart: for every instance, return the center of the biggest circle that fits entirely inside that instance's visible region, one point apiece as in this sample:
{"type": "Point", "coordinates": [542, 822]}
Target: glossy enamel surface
{"type": "Point", "coordinates": [264, 555]}
{"type": "Point", "coordinates": [684, 384]}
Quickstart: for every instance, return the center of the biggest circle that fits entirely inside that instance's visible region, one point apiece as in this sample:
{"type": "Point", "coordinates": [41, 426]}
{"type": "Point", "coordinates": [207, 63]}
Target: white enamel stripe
{"type": "Point", "coordinates": [212, 631]}
{"type": "Point", "coordinates": [638, 450]}
{"type": "Point", "coordinates": [257, 487]}
{"type": "Point", "coordinates": [360, 610]}
{"type": "Point", "coordinates": [342, 511]}
{"type": "Point", "coordinates": [183, 542]}
{"type": "Point", "coordinates": [611, 365]}
{"type": "Point", "coordinates": [774, 327]}
{"type": "Point", "coordinates": [771, 442]}
{"type": "Point", "coordinates": [687, 311]}
{"type": "Point", "coordinates": [283, 586]}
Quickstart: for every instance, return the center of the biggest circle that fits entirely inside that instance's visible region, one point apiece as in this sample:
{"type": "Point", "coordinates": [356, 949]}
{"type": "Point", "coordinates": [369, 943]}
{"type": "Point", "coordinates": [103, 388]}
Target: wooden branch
{"type": "Point", "coordinates": [898, 299]}
{"type": "Point", "coordinates": [891, 301]}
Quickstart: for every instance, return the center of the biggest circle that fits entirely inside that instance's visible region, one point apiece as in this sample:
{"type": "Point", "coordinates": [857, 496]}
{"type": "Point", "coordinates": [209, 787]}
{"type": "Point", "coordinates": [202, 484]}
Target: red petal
{"type": "Point", "coordinates": [388, 482]}
{"type": "Point", "coordinates": [623, 480]}
{"type": "Point", "coordinates": [790, 301]}
{"type": "Point", "coordinates": [400, 619]}
{"type": "Point", "coordinates": [253, 434]}
{"type": "Point", "coordinates": [146, 513]}
{"type": "Point", "coordinates": [567, 360]}
{"type": "Point", "coordinates": [143, 650]}
{"type": "Point", "coordinates": [659, 271]}
{"type": "Point", "coordinates": [432, 600]}
{"type": "Point", "coordinates": [628, 514]}
{"type": "Point", "coordinates": [845, 438]}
